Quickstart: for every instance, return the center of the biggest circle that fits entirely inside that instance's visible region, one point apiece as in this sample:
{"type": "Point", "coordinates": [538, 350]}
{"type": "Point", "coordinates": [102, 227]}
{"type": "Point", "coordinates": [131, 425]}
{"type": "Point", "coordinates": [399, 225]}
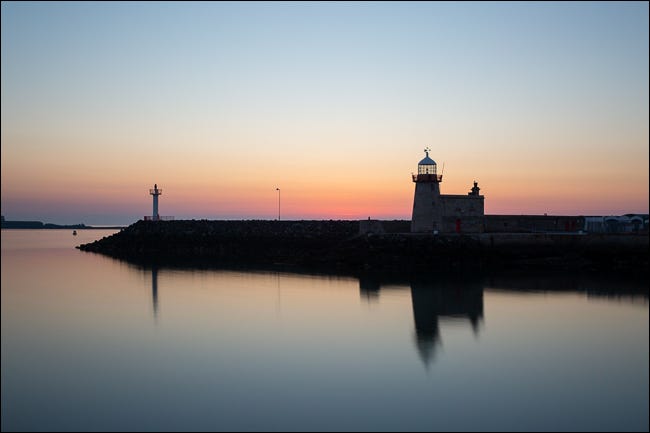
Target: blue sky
{"type": "Point", "coordinates": [118, 96]}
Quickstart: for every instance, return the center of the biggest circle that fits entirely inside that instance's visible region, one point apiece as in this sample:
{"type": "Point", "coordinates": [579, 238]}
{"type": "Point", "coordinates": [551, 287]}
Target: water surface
{"type": "Point", "coordinates": [92, 343]}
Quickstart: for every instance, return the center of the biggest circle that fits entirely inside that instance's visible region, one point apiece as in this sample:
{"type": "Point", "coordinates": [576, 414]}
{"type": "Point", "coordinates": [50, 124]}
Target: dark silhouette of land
{"type": "Point", "coordinates": [41, 225]}
{"type": "Point", "coordinates": [339, 245]}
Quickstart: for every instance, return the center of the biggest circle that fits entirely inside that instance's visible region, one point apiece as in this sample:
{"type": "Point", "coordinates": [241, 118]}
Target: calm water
{"type": "Point", "coordinates": [91, 343]}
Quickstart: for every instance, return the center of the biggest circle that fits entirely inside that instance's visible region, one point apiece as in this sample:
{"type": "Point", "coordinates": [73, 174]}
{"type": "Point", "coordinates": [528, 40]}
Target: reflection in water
{"type": "Point", "coordinates": [80, 353]}
{"type": "Point", "coordinates": [621, 287]}
{"type": "Point", "coordinates": [455, 298]}
{"type": "Point", "coordinates": [369, 288]}
{"type": "Point", "coordinates": [154, 291]}
{"type": "Point", "coordinates": [431, 300]}
{"type": "Point", "coordinates": [279, 303]}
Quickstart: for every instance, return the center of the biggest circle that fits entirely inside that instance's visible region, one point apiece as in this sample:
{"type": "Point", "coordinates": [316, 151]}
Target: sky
{"type": "Point", "coordinates": [544, 104]}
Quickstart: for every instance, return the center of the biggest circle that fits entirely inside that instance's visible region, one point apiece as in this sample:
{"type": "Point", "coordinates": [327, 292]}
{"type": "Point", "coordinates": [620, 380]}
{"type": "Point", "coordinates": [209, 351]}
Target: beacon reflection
{"type": "Point", "coordinates": [369, 288]}
{"type": "Point", "coordinates": [443, 299]}
{"type": "Point", "coordinates": [154, 291]}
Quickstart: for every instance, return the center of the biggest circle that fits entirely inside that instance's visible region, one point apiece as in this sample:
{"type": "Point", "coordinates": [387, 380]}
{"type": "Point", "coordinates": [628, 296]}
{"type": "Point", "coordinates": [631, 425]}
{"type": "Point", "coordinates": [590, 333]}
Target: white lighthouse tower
{"type": "Point", "coordinates": [155, 192]}
{"type": "Point", "coordinates": [427, 206]}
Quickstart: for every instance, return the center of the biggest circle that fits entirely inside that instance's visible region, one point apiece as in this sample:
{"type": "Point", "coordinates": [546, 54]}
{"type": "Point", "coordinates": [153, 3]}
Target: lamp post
{"type": "Point", "coordinates": [278, 190]}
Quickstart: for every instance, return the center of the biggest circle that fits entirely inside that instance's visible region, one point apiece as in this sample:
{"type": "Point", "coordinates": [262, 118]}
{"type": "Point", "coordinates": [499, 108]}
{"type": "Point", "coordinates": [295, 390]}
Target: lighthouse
{"type": "Point", "coordinates": [444, 213]}
{"type": "Point", "coordinates": [427, 206]}
{"type": "Point", "coordinates": [155, 192]}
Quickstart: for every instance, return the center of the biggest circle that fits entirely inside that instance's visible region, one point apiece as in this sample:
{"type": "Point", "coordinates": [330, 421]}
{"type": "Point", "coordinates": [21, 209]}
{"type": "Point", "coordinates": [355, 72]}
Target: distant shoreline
{"type": "Point", "coordinates": [39, 225]}
{"type": "Point", "coordinates": [66, 228]}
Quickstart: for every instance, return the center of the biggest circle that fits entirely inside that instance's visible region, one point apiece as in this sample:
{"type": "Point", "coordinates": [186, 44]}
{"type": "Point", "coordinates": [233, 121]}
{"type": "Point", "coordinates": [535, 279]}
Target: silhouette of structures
{"type": "Point", "coordinates": [155, 216]}
{"type": "Point", "coordinates": [155, 192]}
{"type": "Point", "coordinates": [434, 212]}
{"type": "Point", "coordinates": [369, 288]}
{"type": "Point", "coordinates": [154, 290]}
{"type": "Point", "coordinates": [431, 301]}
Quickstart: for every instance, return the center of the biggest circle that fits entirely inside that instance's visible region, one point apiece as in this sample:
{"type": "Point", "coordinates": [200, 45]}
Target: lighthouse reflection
{"type": "Point", "coordinates": [154, 291]}
{"type": "Point", "coordinates": [432, 301]}
{"type": "Point", "coordinates": [443, 299]}
{"type": "Point", "coordinates": [460, 300]}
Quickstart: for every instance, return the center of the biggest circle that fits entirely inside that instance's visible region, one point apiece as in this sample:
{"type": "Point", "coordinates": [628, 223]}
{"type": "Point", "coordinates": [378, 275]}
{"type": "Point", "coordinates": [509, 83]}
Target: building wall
{"type": "Point", "coordinates": [445, 213]}
{"type": "Point", "coordinates": [463, 224]}
{"type": "Point", "coordinates": [452, 213]}
{"type": "Point", "coordinates": [462, 213]}
{"type": "Point", "coordinates": [533, 223]}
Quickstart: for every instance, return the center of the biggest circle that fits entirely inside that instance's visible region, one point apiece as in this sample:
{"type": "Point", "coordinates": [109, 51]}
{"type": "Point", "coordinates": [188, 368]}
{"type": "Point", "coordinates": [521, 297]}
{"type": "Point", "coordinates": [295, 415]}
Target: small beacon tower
{"type": "Point", "coordinates": [155, 192]}
{"type": "Point", "coordinates": [427, 206]}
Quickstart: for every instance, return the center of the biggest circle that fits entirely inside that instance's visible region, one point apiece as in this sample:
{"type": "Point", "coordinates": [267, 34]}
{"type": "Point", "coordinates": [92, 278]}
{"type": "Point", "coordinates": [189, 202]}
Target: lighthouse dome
{"type": "Point", "coordinates": [427, 161]}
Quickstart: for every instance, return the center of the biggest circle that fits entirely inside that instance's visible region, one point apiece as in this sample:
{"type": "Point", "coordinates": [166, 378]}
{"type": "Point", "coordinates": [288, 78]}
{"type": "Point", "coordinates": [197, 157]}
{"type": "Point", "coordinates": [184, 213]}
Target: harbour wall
{"type": "Point", "coordinates": [367, 244]}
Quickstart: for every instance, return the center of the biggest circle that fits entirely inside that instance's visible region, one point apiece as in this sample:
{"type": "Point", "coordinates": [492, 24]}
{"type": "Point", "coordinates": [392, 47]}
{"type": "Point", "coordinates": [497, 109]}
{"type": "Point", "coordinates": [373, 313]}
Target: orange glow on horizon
{"type": "Point", "coordinates": [343, 194]}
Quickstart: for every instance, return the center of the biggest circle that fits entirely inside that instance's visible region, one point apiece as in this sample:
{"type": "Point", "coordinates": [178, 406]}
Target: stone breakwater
{"type": "Point", "coordinates": [339, 245]}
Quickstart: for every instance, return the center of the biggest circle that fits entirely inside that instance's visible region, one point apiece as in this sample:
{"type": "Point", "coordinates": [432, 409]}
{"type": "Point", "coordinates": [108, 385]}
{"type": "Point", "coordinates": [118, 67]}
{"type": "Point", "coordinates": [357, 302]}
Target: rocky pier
{"type": "Point", "coordinates": [341, 245]}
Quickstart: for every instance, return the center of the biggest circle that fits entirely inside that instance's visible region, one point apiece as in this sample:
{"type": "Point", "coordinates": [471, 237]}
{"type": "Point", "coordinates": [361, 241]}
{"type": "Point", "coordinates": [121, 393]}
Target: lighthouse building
{"type": "Point", "coordinates": [445, 213]}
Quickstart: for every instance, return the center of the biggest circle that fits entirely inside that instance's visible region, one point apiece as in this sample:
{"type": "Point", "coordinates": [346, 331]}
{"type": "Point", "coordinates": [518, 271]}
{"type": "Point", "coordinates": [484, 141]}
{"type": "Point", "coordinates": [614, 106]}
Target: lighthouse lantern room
{"type": "Point", "coordinates": [427, 170]}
